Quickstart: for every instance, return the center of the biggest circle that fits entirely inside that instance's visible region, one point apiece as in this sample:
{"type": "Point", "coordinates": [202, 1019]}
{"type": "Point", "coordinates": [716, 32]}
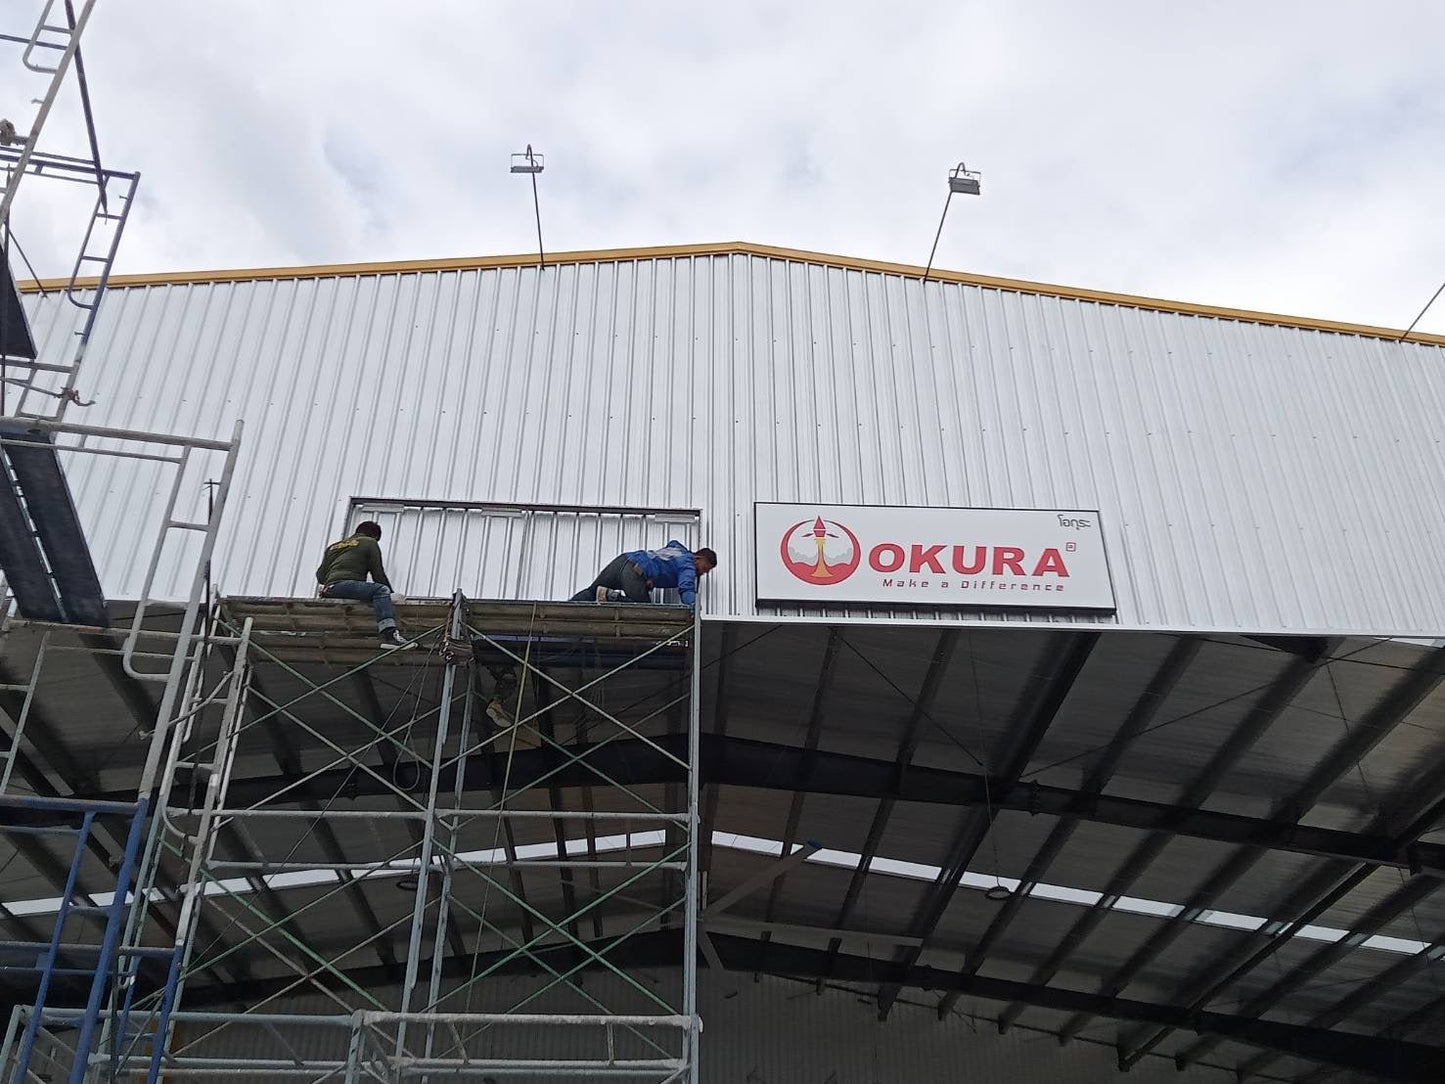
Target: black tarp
{"type": "Point", "coordinates": [15, 337]}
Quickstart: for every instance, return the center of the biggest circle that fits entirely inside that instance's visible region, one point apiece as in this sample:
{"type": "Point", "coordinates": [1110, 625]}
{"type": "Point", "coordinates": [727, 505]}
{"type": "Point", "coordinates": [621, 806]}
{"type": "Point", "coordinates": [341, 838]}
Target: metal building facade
{"type": "Point", "coordinates": [1251, 476]}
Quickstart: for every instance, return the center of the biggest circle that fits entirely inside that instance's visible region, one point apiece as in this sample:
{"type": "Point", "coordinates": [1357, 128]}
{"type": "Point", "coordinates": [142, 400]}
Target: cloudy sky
{"type": "Point", "coordinates": [1286, 156]}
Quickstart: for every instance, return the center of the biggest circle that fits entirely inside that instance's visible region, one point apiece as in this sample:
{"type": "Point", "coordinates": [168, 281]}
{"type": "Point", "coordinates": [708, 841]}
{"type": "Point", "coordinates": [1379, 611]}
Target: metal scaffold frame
{"type": "Point", "coordinates": [50, 55]}
{"type": "Point", "coordinates": [109, 954]}
{"type": "Point", "coordinates": [45, 389]}
{"type": "Point", "coordinates": [263, 869]}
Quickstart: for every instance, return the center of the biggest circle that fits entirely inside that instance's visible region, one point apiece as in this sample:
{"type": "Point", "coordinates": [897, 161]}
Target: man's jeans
{"type": "Point", "coordinates": [621, 575]}
{"type": "Point", "coordinates": [362, 591]}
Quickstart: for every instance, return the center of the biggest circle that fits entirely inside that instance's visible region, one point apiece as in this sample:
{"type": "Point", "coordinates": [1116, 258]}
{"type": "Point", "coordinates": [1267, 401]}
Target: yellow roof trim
{"type": "Point", "coordinates": [741, 248]}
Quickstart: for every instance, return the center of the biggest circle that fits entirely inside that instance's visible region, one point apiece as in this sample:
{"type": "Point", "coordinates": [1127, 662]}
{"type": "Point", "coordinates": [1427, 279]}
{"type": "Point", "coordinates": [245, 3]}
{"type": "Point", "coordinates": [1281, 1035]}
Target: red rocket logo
{"type": "Point", "coordinates": [821, 552]}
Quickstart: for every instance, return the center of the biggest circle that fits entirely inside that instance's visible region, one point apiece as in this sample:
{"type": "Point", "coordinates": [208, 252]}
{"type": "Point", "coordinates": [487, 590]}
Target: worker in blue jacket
{"type": "Point", "coordinates": [630, 577]}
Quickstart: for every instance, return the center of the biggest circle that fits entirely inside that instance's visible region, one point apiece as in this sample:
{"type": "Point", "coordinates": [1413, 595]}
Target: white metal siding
{"type": "Point", "coordinates": [501, 552]}
{"type": "Point", "coordinates": [1250, 477]}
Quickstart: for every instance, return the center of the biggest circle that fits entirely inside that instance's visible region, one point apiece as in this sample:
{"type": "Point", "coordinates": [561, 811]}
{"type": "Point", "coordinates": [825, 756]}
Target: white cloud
{"type": "Point", "coordinates": [1283, 156]}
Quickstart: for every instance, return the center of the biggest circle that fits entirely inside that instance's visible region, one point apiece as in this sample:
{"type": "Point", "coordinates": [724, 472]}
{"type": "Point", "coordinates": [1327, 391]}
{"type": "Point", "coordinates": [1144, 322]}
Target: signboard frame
{"type": "Point", "coordinates": [1067, 550]}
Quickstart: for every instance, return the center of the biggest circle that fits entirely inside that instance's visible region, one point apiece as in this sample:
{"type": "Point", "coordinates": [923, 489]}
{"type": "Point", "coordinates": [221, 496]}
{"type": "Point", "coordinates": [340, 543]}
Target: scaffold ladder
{"type": "Point", "coordinates": [58, 30]}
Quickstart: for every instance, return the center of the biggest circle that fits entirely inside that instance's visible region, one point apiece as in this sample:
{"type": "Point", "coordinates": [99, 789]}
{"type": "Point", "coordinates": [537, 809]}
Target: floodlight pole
{"type": "Point", "coordinates": [960, 179]}
{"type": "Point", "coordinates": [529, 162]}
{"type": "Point", "coordinates": [947, 200]}
{"type": "Point", "coordinates": [537, 209]}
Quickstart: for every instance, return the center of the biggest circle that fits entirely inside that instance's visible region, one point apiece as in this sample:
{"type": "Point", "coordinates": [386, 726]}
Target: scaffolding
{"type": "Point", "coordinates": [272, 851]}
{"type": "Point", "coordinates": [346, 859]}
{"type": "Point", "coordinates": [364, 906]}
{"type": "Point", "coordinates": [91, 948]}
{"type": "Point", "coordinates": [51, 61]}
{"type": "Point", "coordinates": [62, 978]}
{"type": "Point", "coordinates": [348, 855]}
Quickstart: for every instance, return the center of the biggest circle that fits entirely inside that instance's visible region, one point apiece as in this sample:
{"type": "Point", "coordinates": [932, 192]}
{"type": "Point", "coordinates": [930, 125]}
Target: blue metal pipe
{"type": "Point", "coordinates": [71, 805]}
{"type": "Point", "coordinates": [163, 1021]}
{"type": "Point", "coordinates": [32, 1026]}
{"type": "Point", "coordinates": [113, 924]}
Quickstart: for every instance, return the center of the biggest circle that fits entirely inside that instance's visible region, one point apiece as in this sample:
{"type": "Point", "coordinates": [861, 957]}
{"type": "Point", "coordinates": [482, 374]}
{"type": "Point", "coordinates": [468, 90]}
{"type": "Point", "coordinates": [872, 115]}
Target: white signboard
{"type": "Point", "coordinates": [974, 557]}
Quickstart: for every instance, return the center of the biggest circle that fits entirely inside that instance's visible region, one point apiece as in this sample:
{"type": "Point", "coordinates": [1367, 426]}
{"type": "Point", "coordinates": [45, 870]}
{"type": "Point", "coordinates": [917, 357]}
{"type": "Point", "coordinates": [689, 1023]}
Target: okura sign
{"type": "Point", "coordinates": [989, 557]}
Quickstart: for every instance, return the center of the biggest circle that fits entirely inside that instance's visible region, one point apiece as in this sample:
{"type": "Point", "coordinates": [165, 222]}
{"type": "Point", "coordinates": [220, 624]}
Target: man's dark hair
{"type": "Point", "coordinates": [711, 557]}
{"type": "Point", "coordinates": [370, 529]}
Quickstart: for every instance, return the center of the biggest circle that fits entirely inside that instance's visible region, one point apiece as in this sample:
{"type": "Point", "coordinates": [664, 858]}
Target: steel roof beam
{"type": "Point", "coordinates": [1358, 998]}
{"type": "Point", "coordinates": [1371, 923]}
{"type": "Point", "coordinates": [1275, 700]}
{"type": "Point", "coordinates": [907, 746]}
{"type": "Point", "coordinates": [1426, 1015]}
{"type": "Point", "coordinates": [810, 752]}
{"type": "Point", "coordinates": [1018, 742]}
{"type": "Point", "coordinates": [1307, 904]}
{"type": "Point", "coordinates": [1403, 697]}
{"type": "Point", "coordinates": [1140, 716]}
{"type": "Point", "coordinates": [1432, 1013]}
{"type": "Point", "coordinates": [1402, 899]}
{"type": "Point", "coordinates": [742, 762]}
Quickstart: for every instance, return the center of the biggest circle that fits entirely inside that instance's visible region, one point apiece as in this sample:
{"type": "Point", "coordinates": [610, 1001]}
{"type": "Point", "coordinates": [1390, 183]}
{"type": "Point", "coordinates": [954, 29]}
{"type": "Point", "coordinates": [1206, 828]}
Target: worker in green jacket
{"type": "Point", "coordinates": [343, 574]}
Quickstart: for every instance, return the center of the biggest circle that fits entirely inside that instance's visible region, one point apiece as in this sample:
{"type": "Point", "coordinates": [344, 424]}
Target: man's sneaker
{"type": "Point", "coordinates": [392, 640]}
{"type": "Point", "coordinates": [602, 594]}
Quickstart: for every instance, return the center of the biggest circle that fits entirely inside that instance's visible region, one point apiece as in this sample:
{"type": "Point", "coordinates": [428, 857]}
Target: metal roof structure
{"type": "Point", "coordinates": [1214, 849]}
{"type": "Point", "coordinates": [1209, 827]}
{"type": "Point", "coordinates": [1254, 473]}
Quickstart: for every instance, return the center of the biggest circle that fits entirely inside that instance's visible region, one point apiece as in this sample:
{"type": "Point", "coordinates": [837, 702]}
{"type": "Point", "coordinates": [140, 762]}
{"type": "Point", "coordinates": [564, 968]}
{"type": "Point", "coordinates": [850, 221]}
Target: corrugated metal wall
{"type": "Point", "coordinates": [1250, 477]}
{"type": "Point", "coordinates": [511, 552]}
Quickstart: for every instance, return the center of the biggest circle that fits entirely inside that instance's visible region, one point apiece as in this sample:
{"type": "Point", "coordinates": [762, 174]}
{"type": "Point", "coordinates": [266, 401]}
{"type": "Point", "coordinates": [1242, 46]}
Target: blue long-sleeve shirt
{"type": "Point", "coordinates": [671, 566]}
